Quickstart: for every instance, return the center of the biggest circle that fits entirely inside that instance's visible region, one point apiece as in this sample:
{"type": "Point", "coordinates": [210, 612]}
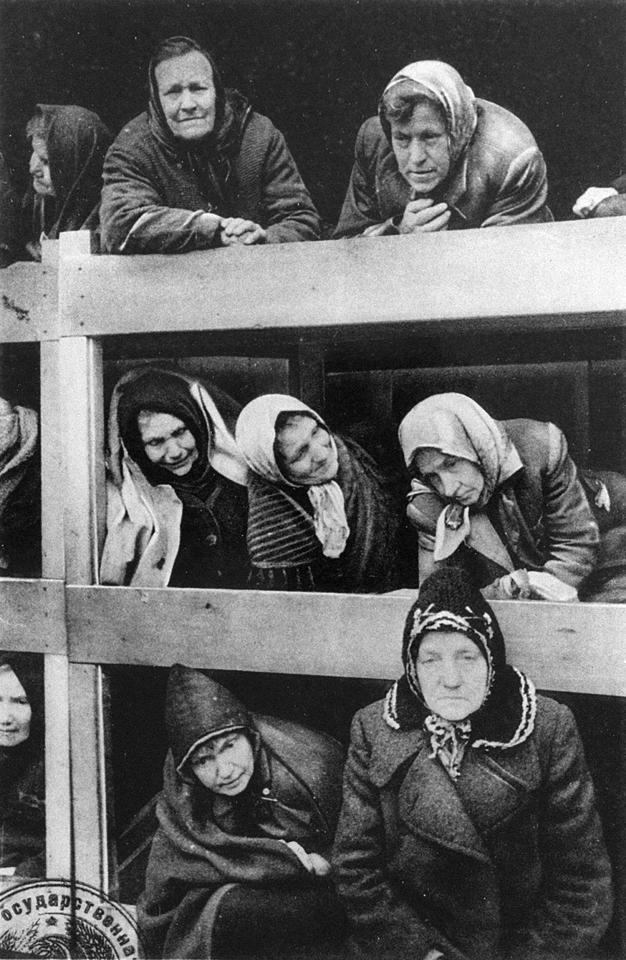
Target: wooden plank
{"type": "Point", "coordinates": [577, 648]}
{"type": "Point", "coordinates": [83, 456]}
{"type": "Point", "coordinates": [58, 793]}
{"type": "Point", "coordinates": [32, 615]}
{"type": "Point", "coordinates": [543, 270]}
{"type": "Point", "coordinates": [28, 302]}
{"type": "Point", "coordinates": [52, 505]}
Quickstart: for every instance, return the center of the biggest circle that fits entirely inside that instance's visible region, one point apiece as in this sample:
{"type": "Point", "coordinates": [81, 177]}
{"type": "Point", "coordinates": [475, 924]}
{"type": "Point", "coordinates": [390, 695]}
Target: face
{"type": "Point", "coordinates": [168, 442]}
{"type": "Point", "coordinates": [224, 764]}
{"type": "Point", "coordinates": [15, 710]}
{"type": "Point", "coordinates": [307, 455]}
{"type": "Point", "coordinates": [452, 674]}
{"type": "Point", "coordinates": [187, 95]}
{"type": "Point", "coordinates": [453, 478]}
{"type": "Point", "coordinates": [39, 168]}
{"type": "Point", "coordinates": [421, 149]}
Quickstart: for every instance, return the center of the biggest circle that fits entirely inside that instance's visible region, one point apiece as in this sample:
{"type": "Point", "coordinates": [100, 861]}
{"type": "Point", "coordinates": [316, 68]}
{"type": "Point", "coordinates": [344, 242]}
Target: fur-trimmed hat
{"type": "Point", "coordinates": [448, 600]}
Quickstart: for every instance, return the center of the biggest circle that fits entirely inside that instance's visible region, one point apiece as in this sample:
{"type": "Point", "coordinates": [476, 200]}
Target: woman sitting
{"type": "Point", "coordinates": [68, 148]}
{"type": "Point", "coordinates": [22, 768]}
{"type": "Point", "coordinates": [20, 492]}
{"type": "Point", "coordinates": [239, 866]}
{"type": "Point", "coordinates": [177, 501]}
{"type": "Point", "coordinates": [468, 829]}
{"type": "Point", "coordinates": [321, 514]}
{"type": "Point", "coordinates": [504, 499]}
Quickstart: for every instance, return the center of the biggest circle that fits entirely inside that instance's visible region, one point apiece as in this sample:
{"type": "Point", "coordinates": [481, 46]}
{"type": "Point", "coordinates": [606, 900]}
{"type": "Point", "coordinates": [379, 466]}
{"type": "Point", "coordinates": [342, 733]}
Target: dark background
{"type": "Point", "coordinates": [317, 68]}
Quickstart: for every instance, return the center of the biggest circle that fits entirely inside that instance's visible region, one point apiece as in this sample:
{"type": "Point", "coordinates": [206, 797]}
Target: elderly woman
{"type": "Point", "coordinates": [321, 515]}
{"type": "Point", "coordinates": [468, 828]}
{"type": "Point", "coordinates": [177, 500]}
{"type": "Point", "coordinates": [239, 865]}
{"type": "Point", "coordinates": [436, 158]}
{"type": "Point", "coordinates": [69, 144]}
{"type": "Point", "coordinates": [22, 771]}
{"type": "Point", "coordinates": [20, 492]}
{"type": "Point", "coordinates": [504, 499]}
{"type": "Point", "coordinates": [200, 168]}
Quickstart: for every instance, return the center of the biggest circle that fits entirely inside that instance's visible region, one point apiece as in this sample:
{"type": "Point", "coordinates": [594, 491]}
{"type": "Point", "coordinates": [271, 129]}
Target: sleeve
{"type": "Point", "coordinates": [360, 211]}
{"type": "Point", "coordinates": [290, 214]}
{"type": "Point", "coordinates": [575, 907]}
{"type": "Point", "coordinates": [523, 194]}
{"type": "Point", "coordinates": [571, 531]}
{"type": "Point", "coordinates": [382, 924]}
{"type": "Point", "coordinates": [134, 219]}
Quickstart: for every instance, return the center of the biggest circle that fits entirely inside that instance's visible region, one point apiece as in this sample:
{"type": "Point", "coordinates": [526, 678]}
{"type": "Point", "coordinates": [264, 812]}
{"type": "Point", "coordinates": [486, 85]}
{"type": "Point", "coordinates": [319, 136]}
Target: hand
{"type": "Point", "coordinates": [424, 216]}
{"type": "Point", "coordinates": [5, 408]}
{"type": "Point", "coordinates": [434, 954]}
{"type": "Point", "coordinates": [589, 200]}
{"type": "Point", "coordinates": [512, 586]}
{"type": "Point", "coordinates": [545, 586]}
{"type": "Point", "coordinates": [236, 230]}
{"type": "Point", "coordinates": [320, 866]}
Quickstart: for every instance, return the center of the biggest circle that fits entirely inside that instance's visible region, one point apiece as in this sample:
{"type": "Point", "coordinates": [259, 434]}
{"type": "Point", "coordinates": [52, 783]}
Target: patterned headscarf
{"type": "Point", "coordinates": [256, 435]}
{"type": "Point", "coordinates": [449, 601]}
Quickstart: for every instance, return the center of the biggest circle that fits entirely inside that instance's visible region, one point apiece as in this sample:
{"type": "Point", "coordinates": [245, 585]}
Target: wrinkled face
{"type": "Point", "coordinates": [224, 764]}
{"type": "Point", "coordinates": [39, 168]}
{"type": "Point", "coordinates": [15, 710]}
{"type": "Point", "coordinates": [187, 95]}
{"type": "Point", "coordinates": [168, 442]}
{"type": "Point", "coordinates": [452, 674]}
{"type": "Point", "coordinates": [453, 478]}
{"type": "Point", "coordinates": [422, 149]}
{"type": "Point", "coordinates": [305, 451]}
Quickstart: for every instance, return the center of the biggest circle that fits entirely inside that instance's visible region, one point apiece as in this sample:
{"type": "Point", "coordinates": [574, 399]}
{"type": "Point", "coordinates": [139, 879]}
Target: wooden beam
{"type": "Point", "coordinates": [577, 647]}
{"type": "Point", "coordinates": [539, 270]}
{"type": "Point", "coordinates": [58, 791]}
{"type": "Point", "coordinates": [32, 616]}
{"type": "Point", "coordinates": [28, 302]}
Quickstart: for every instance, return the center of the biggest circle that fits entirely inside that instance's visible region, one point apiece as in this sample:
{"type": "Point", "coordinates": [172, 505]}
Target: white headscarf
{"type": "Point", "coordinates": [256, 434]}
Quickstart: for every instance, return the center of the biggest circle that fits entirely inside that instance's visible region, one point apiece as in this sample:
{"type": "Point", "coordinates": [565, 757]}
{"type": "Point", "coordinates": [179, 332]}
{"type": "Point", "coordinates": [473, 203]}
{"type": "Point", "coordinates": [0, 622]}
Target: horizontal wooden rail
{"type": "Point", "coordinates": [577, 648]}
{"type": "Point", "coordinates": [561, 270]}
{"type": "Point", "coordinates": [28, 302]}
{"type": "Point", "coordinates": [32, 615]}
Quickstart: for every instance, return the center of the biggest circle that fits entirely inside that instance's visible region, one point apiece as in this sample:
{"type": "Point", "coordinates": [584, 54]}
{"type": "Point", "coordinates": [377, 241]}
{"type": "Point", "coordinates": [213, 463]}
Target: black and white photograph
{"type": "Point", "coordinates": [313, 479]}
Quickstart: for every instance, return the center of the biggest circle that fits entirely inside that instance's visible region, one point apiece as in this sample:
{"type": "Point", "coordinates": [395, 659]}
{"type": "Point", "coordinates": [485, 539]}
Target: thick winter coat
{"type": "Point", "coordinates": [506, 862]}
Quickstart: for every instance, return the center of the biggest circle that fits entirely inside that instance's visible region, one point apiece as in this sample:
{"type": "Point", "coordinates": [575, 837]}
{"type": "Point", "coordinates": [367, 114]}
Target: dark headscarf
{"type": "Point", "coordinates": [210, 157]}
{"type": "Point", "coordinates": [448, 600]}
{"type": "Point", "coordinates": [77, 141]}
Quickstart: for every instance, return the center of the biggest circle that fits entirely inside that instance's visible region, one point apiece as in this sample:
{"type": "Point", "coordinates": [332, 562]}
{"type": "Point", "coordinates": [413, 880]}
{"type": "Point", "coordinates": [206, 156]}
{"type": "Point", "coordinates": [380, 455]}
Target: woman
{"type": "Point", "coordinates": [504, 499]}
{"type": "Point", "coordinates": [20, 492]}
{"type": "Point", "coordinates": [321, 514]}
{"type": "Point", "coordinates": [177, 500]}
{"type": "Point", "coordinates": [22, 770]}
{"type": "Point", "coordinates": [468, 828]}
{"type": "Point", "coordinates": [69, 144]}
{"type": "Point", "coordinates": [239, 864]}
{"type": "Point", "coordinates": [436, 158]}
{"type": "Point", "coordinates": [200, 168]}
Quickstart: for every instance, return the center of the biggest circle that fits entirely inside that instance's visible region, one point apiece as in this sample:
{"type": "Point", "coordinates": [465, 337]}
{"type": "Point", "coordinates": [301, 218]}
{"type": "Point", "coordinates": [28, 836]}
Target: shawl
{"type": "Point", "coordinates": [453, 95]}
{"type": "Point", "coordinates": [256, 435]}
{"type": "Point", "coordinates": [448, 601]}
{"type": "Point", "coordinates": [77, 141]}
{"type": "Point", "coordinates": [456, 425]}
{"type": "Point", "coordinates": [18, 443]}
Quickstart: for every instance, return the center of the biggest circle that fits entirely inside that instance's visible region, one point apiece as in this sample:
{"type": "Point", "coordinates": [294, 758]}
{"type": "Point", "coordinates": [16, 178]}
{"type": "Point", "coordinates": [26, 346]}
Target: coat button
{"type": "Point", "coordinates": [265, 791]}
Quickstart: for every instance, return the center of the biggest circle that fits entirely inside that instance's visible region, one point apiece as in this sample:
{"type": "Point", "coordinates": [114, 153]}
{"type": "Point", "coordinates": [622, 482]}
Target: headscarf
{"type": "Point", "coordinates": [18, 444]}
{"type": "Point", "coordinates": [448, 601]}
{"type": "Point", "coordinates": [457, 426]}
{"type": "Point", "coordinates": [168, 391]}
{"type": "Point", "coordinates": [15, 762]}
{"type": "Point", "coordinates": [455, 98]}
{"type": "Point", "coordinates": [210, 157]}
{"type": "Point", "coordinates": [77, 141]}
{"type": "Point", "coordinates": [256, 435]}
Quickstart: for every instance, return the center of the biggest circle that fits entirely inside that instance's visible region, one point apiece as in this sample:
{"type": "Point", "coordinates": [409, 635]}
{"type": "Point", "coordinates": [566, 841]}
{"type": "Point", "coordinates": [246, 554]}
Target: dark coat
{"type": "Point", "coordinates": [541, 513]}
{"type": "Point", "coordinates": [500, 178]}
{"type": "Point", "coordinates": [206, 841]}
{"type": "Point", "coordinates": [508, 862]}
{"type": "Point", "coordinates": [152, 193]}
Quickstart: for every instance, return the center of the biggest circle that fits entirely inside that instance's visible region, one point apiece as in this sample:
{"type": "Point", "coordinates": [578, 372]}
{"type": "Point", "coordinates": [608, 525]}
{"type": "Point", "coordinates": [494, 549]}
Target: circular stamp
{"type": "Point", "coordinates": [56, 918]}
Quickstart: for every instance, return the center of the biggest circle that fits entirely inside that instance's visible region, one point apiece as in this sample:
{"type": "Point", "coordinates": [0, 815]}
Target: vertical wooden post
{"type": "Point", "coordinates": [307, 375]}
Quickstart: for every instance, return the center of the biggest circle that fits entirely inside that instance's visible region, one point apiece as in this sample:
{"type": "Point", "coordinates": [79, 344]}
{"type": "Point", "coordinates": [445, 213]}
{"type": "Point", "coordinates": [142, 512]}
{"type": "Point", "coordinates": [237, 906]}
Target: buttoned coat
{"type": "Point", "coordinates": [508, 862]}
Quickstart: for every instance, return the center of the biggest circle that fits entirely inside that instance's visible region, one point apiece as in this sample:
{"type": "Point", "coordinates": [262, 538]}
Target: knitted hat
{"type": "Point", "coordinates": [448, 600]}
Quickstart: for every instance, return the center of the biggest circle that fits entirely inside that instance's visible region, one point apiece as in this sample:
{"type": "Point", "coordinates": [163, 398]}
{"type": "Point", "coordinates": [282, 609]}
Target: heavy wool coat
{"type": "Point", "coordinates": [506, 862]}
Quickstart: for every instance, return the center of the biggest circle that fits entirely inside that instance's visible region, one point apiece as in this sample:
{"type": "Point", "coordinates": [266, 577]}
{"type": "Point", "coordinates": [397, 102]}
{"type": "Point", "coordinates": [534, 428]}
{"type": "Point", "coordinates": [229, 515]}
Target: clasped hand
{"type": "Point", "coordinates": [424, 216]}
{"type": "Point", "coordinates": [237, 230]}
